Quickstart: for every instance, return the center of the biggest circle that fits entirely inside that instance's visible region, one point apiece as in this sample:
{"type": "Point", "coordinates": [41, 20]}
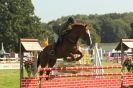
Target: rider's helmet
{"type": "Point", "coordinates": [70, 20]}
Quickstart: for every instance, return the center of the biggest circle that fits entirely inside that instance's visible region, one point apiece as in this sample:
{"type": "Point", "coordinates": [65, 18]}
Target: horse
{"type": "Point", "coordinates": [64, 48]}
{"type": "Point", "coordinates": [74, 51]}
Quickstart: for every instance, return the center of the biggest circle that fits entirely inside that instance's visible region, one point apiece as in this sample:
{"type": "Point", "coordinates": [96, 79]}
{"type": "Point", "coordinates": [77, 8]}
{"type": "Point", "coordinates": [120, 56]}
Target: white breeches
{"type": "Point", "coordinates": [56, 38]}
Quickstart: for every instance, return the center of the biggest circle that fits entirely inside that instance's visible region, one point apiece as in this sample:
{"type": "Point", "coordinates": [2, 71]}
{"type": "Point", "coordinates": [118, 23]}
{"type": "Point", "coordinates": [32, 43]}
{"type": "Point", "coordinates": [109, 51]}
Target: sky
{"type": "Point", "coordinates": [49, 10]}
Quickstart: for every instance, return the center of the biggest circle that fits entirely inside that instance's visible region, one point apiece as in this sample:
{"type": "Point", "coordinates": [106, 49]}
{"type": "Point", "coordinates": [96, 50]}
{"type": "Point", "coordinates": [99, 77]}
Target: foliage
{"type": "Point", "coordinates": [131, 25]}
{"type": "Point", "coordinates": [107, 28]}
{"type": "Point", "coordinates": [17, 20]}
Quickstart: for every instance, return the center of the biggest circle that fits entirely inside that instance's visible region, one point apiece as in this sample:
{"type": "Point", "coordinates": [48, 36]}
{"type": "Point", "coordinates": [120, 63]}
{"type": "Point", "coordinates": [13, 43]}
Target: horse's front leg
{"type": "Point", "coordinates": [81, 55]}
{"type": "Point", "coordinates": [41, 73]}
{"type": "Point", "coordinates": [51, 63]}
{"type": "Point", "coordinates": [47, 73]}
{"type": "Point", "coordinates": [71, 57]}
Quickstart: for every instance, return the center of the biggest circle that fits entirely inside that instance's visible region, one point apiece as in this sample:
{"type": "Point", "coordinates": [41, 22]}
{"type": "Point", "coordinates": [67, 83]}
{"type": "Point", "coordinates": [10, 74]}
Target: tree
{"type": "Point", "coordinates": [131, 25]}
{"type": "Point", "coordinates": [106, 28]}
{"type": "Point", "coordinates": [17, 20]}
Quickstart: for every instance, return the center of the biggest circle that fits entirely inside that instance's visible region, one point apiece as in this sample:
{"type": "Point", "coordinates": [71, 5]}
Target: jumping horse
{"type": "Point", "coordinates": [65, 48]}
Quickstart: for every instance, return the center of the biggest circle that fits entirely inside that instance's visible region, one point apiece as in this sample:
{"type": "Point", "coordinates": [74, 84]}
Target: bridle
{"type": "Point", "coordinates": [73, 41]}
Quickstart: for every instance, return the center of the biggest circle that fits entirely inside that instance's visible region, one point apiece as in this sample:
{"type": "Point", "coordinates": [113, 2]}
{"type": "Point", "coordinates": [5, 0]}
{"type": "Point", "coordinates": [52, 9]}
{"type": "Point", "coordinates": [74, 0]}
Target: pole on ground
{"type": "Point", "coordinates": [122, 58]}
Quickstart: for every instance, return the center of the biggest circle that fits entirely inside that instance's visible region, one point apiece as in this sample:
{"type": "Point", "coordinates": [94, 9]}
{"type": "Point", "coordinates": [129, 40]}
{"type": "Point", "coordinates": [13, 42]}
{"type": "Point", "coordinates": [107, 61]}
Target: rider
{"type": "Point", "coordinates": [66, 26]}
{"type": "Point", "coordinates": [61, 32]}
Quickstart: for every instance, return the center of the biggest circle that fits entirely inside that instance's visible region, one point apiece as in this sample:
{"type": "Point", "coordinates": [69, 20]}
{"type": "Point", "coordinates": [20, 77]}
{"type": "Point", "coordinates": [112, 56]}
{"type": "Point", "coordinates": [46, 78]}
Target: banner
{"type": "Point", "coordinates": [10, 66]}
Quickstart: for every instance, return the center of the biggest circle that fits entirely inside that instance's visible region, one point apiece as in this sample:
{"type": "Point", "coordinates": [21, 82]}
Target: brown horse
{"type": "Point", "coordinates": [65, 48]}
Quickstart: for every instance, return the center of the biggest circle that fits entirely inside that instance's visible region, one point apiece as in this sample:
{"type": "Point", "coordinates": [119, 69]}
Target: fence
{"type": "Point", "coordinates": [84, 77]}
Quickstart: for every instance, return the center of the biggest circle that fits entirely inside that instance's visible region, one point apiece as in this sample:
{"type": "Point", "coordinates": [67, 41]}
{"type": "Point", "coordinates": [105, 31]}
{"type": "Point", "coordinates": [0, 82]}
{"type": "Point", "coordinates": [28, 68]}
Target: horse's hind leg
{"type": "Point", "coordinates": [43, 65]}
{"type": "Point", "coordinates": [51, 63]}
{"type": "Point", "coordinates": [81, 55]}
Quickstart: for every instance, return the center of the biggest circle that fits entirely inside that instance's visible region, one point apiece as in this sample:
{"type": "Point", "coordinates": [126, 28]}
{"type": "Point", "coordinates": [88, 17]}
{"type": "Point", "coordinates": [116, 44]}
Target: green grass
{"type": "Point", "coordinates": [9, 79]}
{"type": "Point", "coordinates": [110, 63]}
{"type": "Point", "coordinates": [108, 46]}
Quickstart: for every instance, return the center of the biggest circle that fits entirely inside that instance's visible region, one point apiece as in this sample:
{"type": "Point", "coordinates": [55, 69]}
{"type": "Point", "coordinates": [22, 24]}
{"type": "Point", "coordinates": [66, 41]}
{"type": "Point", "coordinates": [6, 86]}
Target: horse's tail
{"type": "Point", "coordinates": [38, 61]}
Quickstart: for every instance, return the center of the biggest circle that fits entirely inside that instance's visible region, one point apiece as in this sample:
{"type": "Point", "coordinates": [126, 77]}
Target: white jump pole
{"type": "Point", "coordinates": [97, 59]}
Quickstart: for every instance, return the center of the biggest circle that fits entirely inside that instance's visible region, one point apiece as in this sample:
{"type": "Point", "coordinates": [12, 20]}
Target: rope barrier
{"type": "Point", "coordinates": [79, 68]}
{"type": "Point", "coordinates": [80, 75]}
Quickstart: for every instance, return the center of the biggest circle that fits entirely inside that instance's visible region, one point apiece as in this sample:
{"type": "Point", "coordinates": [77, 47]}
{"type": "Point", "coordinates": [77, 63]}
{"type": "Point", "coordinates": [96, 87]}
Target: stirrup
{"type": "Point", "coordinates": [52, 52]}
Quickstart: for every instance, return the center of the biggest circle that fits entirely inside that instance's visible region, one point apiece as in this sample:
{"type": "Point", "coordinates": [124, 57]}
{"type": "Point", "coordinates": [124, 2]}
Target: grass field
{"type": "Point", "coordinates": [9, 79]}
{"type": "Point", "coordinates": [108, 46]}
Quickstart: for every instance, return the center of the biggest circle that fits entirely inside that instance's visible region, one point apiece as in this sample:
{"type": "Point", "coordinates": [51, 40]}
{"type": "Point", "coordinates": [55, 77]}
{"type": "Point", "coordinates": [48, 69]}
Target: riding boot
{"type": "Point", "coordinates": [52, 52]}
{"type": "Point", "coordinates": [61, 39]}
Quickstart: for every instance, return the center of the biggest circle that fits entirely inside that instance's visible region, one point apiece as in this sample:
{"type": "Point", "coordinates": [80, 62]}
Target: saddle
{"type": "Point", "coordinates": [59, 41]}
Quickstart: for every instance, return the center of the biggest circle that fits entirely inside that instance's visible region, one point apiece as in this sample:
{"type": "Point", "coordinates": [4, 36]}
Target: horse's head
{"type": "Point", "coordinates": [83, 32]}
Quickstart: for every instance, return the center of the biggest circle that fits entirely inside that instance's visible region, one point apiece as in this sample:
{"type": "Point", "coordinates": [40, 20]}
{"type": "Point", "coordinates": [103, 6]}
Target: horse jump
{"type": "Point", "coordinates": [64, 48]}
{"type": "Point", "coordinates": [83, 80]}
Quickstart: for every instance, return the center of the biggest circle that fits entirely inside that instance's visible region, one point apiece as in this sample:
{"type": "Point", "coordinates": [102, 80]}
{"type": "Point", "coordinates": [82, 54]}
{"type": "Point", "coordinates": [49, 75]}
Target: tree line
{"type": "Point", "coordinates": [18, 20]}
{"type": "Point", "coordinates": [107, 28]}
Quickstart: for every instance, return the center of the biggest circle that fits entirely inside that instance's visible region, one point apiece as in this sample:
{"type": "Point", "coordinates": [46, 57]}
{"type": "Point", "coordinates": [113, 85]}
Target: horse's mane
{"type": "Point", "coordinates": [74, 27]}
{"type": "Point", "coordinates": [77, 25]}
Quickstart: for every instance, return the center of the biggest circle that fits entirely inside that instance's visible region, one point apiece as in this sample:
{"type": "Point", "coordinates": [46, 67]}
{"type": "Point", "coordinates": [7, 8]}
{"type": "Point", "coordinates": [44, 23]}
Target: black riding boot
{"type": "Point", "coordinates": [52, 51]}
